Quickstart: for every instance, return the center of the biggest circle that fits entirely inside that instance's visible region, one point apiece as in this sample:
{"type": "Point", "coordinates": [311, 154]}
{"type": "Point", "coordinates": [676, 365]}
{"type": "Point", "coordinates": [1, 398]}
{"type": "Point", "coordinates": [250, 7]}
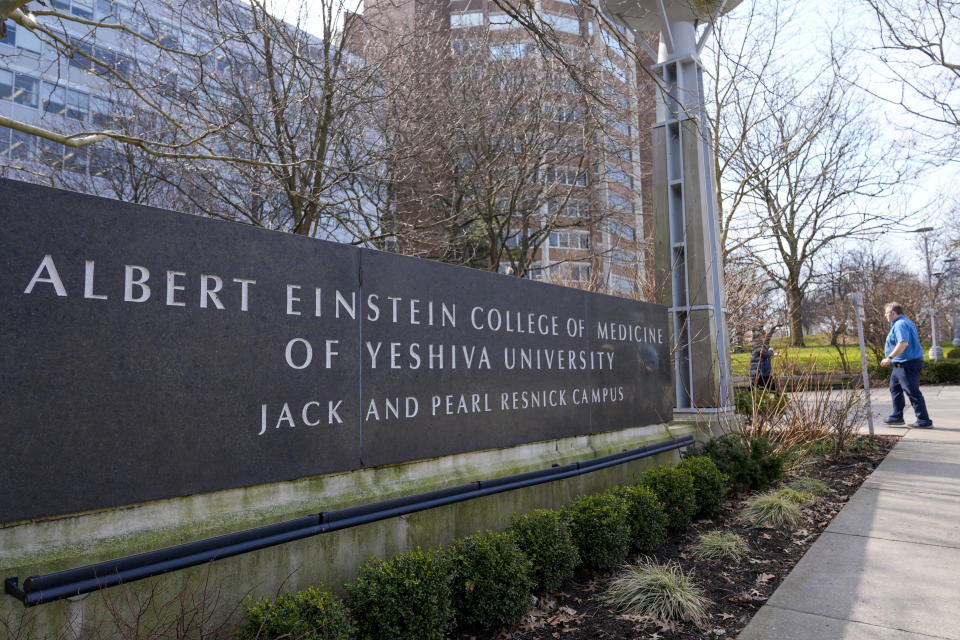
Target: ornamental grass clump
{"type": "Point", "coordinates": [716, 545]}
{"type": "Point", "coordinates": [311, 614]}
{"type": "Point", "coordinates": [798, 497]}
{"type": "Point", "coordinates": [810, 485]}
{"type": "Point", "coordinates": [775, 509]}
{"type": "Point", "coordinates": [658, 591]}
{"type": "Point", "coordinates": [545, 538]}
{"type": "Point", "coordinates": [491, 580]}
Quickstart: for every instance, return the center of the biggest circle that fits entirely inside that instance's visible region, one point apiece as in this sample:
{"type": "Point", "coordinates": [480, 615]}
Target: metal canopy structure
{"type": "Point", "coordinates": [687, 236]}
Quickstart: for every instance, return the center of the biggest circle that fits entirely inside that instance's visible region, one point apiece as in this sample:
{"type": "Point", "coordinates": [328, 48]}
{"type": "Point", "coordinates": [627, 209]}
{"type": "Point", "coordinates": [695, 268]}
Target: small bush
{"type": "Point", "coordinates": [407, 597]}
{"type": "Point", "coordinates": [491, 580]}
{"type": "Point", "coordinates": [773, 510]}
{"type": "Point", "coordinates": [545, 538]}
{"type": "Point", "coordinates": [311, 614]}
{"type": "Point", "coordinates": [954, 354]}
{"type": "Point", "coordinates": [600, 528]}
{"type": "Point", "coordinates": [648, 521]}
{"type": "Point", "coordinates": [810, 485]}
{"type": "Point", "coordinates": [750, 463]}
{"type": "Point", "coordinates": [940, 372]}
{"type": "Point", "coordinates": [659, 591]}
{"type": "Point", "coordinates": [675, 490]}
{"type": "Point", "coordinates": [721, 546]}
{"type": "Point", "coordinates": [709, 483]}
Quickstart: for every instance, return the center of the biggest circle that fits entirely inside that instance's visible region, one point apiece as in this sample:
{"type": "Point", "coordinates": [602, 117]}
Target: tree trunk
{"type": "Point", "coordinates": [795, 315]}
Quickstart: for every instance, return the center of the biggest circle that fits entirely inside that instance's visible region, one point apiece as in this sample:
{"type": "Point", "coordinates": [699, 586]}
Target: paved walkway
{"type": "Point", "coordinates": [888, 566]}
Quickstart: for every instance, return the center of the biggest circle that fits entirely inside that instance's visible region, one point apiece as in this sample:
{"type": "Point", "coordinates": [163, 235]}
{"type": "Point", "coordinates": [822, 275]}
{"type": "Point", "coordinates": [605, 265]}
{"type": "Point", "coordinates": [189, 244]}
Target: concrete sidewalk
{"type": "Point", "coordinates": [888, 566]}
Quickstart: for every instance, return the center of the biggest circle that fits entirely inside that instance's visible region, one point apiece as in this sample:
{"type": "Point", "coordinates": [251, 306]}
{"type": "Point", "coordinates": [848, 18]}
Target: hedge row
{"type": "Point", "coordinates": [487, 580]}
{"type": "Point", "coordinates": [946, 371]}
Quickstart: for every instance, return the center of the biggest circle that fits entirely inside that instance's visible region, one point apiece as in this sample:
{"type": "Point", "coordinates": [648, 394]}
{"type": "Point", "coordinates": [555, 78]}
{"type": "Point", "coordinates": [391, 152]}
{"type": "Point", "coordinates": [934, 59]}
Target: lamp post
{"type": "Point", "coordinates": [936, 353]}
{"type": "Point", "coordinates": [952, 274]}
{"type": "Point", "coordinates": [857, 299]}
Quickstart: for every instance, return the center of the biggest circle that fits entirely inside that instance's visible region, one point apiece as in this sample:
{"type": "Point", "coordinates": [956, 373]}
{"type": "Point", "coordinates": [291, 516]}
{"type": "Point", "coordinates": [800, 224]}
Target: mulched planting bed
{"type": "Point", "coordinates": [736, 589]}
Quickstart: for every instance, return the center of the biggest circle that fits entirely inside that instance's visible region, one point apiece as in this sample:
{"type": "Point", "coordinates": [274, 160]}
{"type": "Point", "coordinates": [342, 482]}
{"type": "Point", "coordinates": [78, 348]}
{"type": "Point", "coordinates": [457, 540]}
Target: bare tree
{"type": "Point", "coordinates": [882, 277]}
{"type": "Point", "coordinates": [920, 48]}
{"type": "Point", "coordinates": [295, 102]}
{"type": "Point", "coordinates": [240, 115]}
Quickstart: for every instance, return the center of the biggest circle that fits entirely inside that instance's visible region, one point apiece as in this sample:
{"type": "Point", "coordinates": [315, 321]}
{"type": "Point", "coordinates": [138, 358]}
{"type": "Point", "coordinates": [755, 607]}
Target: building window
{"type": "Point", "coordinates": [104, 163]}
{"type": "Point", "coordinates": [569, 176]}
{"type": "Point", "coordinates": [502, 21]}
{"type": "Point", "coordinates": [619, 176]}
{"type": "Point", "coordinates": [561, 112]}
{"type": "Point", "coordinates": [569, 240]}
{"type": "Point", "coordinates": [622, 258]}
{"type": "Point", "coordinates": [28, 41]}
{"type": "Point", "coordinates": [466, 19]}
{"type": "Point", "coordinates": [10, 38]}
{"type": "Point", "coordinates": [622, 230]}
{"type": "Point", "coordinates": [78, 104]}
{"type": "Point", "coordinates": [571, 271]}
{"type": "Point", "coordinates": [612, 67]}
{"type": "Point", "coordinates": [6, 84]}
{"type": "Point", "coordinates": [622, 286]}
{"type": "Point", "coordinates": [25, 90]}
{"type": "Point", "coordinates": [612, 42]}
{"type": "Point", "coordinates": [75, 160]}
{"type": "Point", "coordinates": [55, 100]}
{"type": "Point", "coordinates": [618, 202]}
{"type": "Point", "coordinates": [51, 153]}
{"type": "Point", "coordinates": [562, 23]}
{"type": "Point", "coordinates": [21, 145]}
{"type": "Point", "coordinates": [573, 207]}
{"type": "Point", "coordinates": [510, 51]}
{"type": "Point", "coordinates": [80, 8]}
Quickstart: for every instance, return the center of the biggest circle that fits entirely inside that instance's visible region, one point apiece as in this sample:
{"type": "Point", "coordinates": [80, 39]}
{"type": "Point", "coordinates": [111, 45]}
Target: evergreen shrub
{"type": "Point", "coordinates": [545, 538]}
{"type": "Point", "coordinates": [749, 462]}
{"type": "Point", "coordinates": [491, 580]}
{"type": "Point", "coordinates": [600, 528]}
{"type": "Point", "coordinates": [675, 490]}
{"type": "Point", "coordinates": [940, 372]}
{"type": "Point", "coordinates": [710, 484]}
{"type": "Point", "coordinates": [648, 521]}
{"type": "Point", "coordinates": [405, 598]}
{"type": "Point", "coordinates": [311, 614]}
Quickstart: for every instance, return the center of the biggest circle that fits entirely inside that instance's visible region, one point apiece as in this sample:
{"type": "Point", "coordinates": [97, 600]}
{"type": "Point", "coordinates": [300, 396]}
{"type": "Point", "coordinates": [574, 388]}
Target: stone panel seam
{"type": "Point", "coordinates": [868, 624]}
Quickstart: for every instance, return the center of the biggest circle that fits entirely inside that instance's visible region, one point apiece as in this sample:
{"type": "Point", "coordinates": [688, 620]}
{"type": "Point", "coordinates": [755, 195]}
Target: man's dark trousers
{"type": "Point", "coordinates": [906, 378]}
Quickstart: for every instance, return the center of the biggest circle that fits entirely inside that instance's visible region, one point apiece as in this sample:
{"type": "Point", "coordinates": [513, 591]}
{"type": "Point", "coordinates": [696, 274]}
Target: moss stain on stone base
{"type": "Point", "coordinates": [331, 559]}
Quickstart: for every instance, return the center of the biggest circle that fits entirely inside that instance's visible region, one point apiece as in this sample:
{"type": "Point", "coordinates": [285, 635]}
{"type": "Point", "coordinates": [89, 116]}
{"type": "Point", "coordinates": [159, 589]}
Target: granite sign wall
{"type": "Point", "coordinates": [150, 354]}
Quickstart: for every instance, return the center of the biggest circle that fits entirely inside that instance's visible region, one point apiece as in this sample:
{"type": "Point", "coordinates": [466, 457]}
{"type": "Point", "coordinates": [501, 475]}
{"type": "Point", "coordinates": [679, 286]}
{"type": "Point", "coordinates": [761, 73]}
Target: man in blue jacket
{"type": "Point", "coordinates": [905, 354]}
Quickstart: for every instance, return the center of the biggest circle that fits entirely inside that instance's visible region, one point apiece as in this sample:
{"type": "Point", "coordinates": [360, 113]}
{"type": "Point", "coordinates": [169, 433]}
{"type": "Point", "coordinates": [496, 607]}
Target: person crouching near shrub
{"type": "Point", "coordinates": [904, 353]}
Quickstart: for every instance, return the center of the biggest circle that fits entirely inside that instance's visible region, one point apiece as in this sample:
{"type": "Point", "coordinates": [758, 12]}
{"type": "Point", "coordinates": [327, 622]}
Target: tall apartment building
{"type": "Point", "coordinates": [599, 219]}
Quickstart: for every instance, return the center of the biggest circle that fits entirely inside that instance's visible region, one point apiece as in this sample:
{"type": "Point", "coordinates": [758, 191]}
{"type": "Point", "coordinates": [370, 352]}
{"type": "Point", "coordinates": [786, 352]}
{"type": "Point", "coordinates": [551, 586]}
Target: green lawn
{"type": "Point", "coordinates": [818, 352]}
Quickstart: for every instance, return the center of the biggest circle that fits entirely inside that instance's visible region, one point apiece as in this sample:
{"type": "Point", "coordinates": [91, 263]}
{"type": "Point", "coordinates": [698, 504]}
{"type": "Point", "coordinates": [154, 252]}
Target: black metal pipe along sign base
{"type": "Point", "coordinates": [73, 582]}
